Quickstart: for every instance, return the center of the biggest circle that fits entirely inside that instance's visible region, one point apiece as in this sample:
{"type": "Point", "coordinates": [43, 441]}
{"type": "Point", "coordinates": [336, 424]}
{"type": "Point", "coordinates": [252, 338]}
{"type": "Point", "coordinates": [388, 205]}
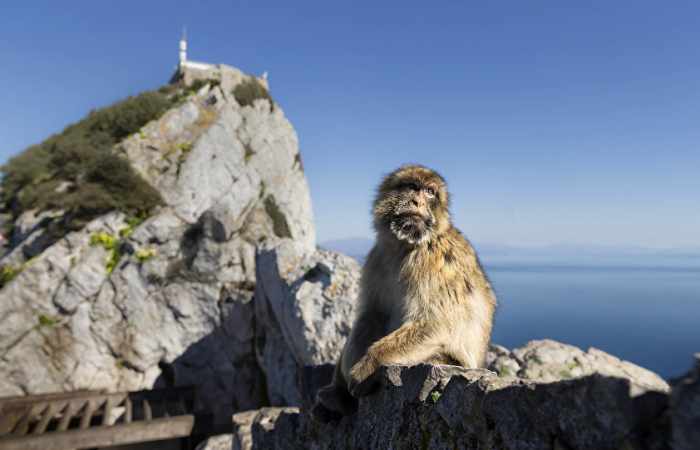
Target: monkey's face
{"type": "Point", "coordinates": [411, 205]}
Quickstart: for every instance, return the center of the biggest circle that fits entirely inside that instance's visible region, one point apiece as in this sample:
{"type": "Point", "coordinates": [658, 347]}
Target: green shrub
{"type": "Point", "coordinates": [8, 273]}
{"type": "Point", "coordinates": [98, 180]}
{"type": "Point", "coordinates": [250, 90]}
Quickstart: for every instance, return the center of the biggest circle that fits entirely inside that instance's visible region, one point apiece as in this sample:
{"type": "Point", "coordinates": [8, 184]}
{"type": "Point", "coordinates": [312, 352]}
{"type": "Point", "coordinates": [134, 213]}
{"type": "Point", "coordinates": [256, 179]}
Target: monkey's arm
{"type": "Point", "coordinates": [411, 343]}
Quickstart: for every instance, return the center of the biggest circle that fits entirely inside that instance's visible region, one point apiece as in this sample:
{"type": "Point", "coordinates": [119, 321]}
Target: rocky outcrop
{"type": "Point", "coordinates": [450, 407]}
{"type": "Point", "coordinates": [121, 305]}
{"type": "Point", "coordinates": [685, 409]}
{"type": "Point", "coordinates": [547, 361]}
{"type": "Point", "coordinates": [304, 308]}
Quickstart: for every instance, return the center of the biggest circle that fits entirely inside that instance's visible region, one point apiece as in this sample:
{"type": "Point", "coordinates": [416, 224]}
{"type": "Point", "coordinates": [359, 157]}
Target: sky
{"type": "Point", "coordinates": [552, 123]}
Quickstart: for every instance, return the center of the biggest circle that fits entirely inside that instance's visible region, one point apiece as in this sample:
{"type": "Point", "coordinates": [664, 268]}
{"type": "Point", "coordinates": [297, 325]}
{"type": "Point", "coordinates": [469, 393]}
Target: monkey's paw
{"type": "Point", "coordinates": [362, 377]}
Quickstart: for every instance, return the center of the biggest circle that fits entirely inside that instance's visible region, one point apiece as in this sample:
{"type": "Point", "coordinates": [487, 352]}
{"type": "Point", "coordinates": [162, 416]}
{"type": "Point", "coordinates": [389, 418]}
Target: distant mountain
{"type": "Point", "coordinates": [357, 247]}
{"type": "Point", "coordinates": [493, 254]}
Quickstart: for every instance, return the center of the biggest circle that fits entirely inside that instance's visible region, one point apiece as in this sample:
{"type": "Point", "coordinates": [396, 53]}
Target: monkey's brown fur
{"type": "Point", "coordinates": [424, 296]}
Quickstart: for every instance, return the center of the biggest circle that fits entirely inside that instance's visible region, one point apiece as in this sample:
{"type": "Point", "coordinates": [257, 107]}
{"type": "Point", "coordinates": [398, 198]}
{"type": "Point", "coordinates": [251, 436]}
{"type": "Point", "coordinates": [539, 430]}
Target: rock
{"type": "Point", "coordinates": [272, 428]}
{"type": "Point", "coordinates": [169, 301]}
{"type": "Point", "coordinates": [304, 305]}
{"type": "Point", "coordinates": [433, 407]}
{"type": "Point", "coordinates": [548, 360]}
{"type": "Point", "coordinates": [220, 442]}
{"type": "Point", "coordinates": [685, 409]}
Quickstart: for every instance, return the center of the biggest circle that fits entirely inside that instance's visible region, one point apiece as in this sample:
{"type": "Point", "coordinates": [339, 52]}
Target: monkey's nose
{"type": "Point", "coordinates": [418, 202]}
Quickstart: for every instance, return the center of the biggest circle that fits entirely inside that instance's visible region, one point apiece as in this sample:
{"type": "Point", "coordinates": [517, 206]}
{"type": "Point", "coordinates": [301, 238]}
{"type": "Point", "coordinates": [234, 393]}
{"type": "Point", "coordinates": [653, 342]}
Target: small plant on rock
{"type": "Point", "coordinates": [250, 90]}
{"type": "Point", "coordinates": [8, 273]}
{"type": "Point", "coordinates": [144, 254]}
{"type": "Point", "coordinates": [110, 243]}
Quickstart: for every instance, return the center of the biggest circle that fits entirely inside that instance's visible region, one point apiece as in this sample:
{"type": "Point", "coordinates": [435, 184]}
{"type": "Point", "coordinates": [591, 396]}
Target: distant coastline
{"type": "Point", "coordinates": [558, 257]}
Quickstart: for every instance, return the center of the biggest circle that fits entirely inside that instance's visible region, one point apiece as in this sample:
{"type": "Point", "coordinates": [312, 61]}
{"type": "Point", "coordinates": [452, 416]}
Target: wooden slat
{"type": "Point", "coordinates": [168, 428]}
{"type": "Point", "coordinates": [9, 417]}
{"type": "Point", "coordinates": [54, 408]}
{"type": "Point", "coordinates": [108, 411]}
{"type": "Point", "coordinates": [74, 406]}
{"type": "Point", "coordinates": [128, 414]}
{"type": "Point", "coordinates": [112, 410]}
{"type": "Point", "coordinates": [31, 414]}
{"type": "Point", "coordinates": [90, 408]}
{"type": "Point", "coordinates": [147, 411]}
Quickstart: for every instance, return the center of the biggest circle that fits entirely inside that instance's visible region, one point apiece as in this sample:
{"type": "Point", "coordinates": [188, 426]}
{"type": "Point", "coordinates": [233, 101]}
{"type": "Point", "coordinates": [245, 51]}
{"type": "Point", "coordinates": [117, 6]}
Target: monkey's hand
{"type": "Point", "coordinates": [361, 380]}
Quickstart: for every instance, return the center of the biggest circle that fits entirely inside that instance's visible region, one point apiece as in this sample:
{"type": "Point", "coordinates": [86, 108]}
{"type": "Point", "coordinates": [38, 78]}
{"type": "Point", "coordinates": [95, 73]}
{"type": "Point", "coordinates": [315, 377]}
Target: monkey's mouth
{"type": "Point", "coordinates": [411, 227]}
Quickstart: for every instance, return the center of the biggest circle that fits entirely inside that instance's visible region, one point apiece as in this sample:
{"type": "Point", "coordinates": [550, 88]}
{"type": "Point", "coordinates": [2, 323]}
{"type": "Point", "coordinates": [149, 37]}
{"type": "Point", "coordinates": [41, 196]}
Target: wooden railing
{"type": "Point", "coordinates": [89, 419]}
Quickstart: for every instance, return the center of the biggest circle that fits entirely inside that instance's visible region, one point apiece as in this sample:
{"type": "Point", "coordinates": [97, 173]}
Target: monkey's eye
{"type": "Point", "coordinates": [412, 186]}
{"type": "Point", "coordinates": [430, 192]}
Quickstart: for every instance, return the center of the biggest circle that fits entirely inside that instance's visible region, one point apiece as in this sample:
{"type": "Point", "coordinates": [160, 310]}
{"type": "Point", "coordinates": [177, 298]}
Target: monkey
{"type": "Point", "coordinates": [424, 297]}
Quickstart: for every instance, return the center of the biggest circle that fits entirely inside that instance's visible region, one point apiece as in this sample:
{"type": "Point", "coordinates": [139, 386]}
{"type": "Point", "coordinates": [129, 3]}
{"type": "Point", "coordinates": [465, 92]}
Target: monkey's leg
{"type": "Point", "coordinates": [412, 343]}
{"type": "Point", "coordinates": [335, 399]}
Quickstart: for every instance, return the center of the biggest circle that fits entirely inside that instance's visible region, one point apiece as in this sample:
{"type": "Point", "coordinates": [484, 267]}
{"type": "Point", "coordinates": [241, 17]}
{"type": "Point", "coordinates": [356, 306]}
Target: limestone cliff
{"type": "Point", "coordinates": [128, 302]}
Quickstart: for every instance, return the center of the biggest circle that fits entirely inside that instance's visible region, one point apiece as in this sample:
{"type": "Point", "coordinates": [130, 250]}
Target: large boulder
{"type": "Point", "coordinates": [304, 305]}
{"type": "Point", "coordinates": [437, 407]}
{"type": "Point", "coordinates": [547, 360]}
{"type": "Point", "coordinates": [120, 305]}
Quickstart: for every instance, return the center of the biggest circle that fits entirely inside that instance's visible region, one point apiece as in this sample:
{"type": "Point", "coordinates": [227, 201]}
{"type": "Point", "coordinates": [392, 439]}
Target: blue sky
{"type": "Point", "coordinates": [552, 123]}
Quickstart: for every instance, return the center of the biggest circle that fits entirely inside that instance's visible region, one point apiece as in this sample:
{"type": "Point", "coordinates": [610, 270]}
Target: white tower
{"type": "Point", "coordinates": [183, 48]}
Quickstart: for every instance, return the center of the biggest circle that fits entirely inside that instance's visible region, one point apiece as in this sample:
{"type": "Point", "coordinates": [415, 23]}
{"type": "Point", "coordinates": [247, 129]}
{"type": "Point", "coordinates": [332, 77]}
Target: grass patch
{"type": "Point", "coordinates": [250, 90]}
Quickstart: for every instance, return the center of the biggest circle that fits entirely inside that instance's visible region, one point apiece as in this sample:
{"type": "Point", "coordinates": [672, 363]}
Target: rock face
{"type": "Point", "coordinates": [612, 404]}
{"type": "Point", "coordinates": [124, 306]}
{"type": "Point", "coordinates": [304, 307]}
{"type": "Point", "coordinates": [449, 407]}
{"type": "Point", "coordinates": [547, 361]}
{"type": "Point", "coordinates": [685, 410]}
{"type": "Point", "coordinates": [436, 407]}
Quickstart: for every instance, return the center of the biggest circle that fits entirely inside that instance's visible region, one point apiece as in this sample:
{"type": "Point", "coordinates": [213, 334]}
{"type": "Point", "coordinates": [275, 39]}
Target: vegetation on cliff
{"type": "Point", "coordinates": [76, 171]}
{"type": "Point", "coordinates": [250, 90]}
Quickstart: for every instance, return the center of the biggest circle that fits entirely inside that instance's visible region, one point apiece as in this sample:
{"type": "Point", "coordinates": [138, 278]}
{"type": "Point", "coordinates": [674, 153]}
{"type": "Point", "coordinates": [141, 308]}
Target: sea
{"type": "Point", "coordinates": [647, 315]}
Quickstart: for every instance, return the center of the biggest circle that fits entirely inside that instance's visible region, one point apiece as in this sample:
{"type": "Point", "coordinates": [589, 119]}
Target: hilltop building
{"type": "Point", "coordinates": [187, 70]}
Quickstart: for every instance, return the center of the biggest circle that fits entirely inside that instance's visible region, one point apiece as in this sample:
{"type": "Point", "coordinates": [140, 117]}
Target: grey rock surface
{"type": "Point", "coordinates": [547, 360]}
{"type": "Point", "coordinates": [685, 409]}
{"type": "Point", "coordinates": [304, 309]}
{"type": "Point", "coordinates": [172, 304]}
{"type": "Point", "coordinates": [445, 407]}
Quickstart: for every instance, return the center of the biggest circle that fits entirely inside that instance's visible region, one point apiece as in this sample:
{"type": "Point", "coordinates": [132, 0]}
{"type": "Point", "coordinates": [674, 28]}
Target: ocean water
{"type": "Point", "coordinates": [647, 315]}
